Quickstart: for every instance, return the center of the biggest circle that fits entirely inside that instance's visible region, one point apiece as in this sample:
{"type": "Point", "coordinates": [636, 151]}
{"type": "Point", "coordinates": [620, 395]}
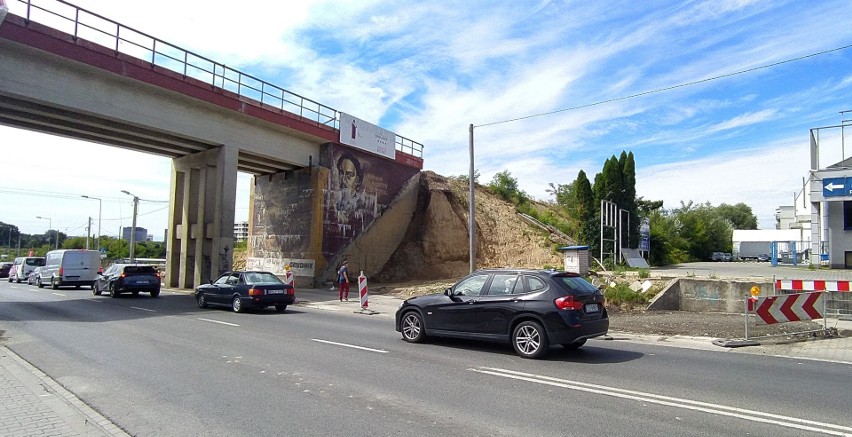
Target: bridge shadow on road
{"type": "Point", "coordinates": [79, 305]}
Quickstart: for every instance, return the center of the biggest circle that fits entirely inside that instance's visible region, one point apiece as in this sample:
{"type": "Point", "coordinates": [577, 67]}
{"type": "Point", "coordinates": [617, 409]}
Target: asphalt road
{"type": "Point", "coordinates": [163, 367]}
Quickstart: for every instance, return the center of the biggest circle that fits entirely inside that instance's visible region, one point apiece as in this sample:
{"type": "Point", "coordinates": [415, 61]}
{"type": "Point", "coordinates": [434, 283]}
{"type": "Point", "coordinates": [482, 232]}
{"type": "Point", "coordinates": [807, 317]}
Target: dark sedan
{"type": "Point", "coordinates": [244, 290]}
{"type": "Point", "coordinates": [128, 278]}
{"type": "Point", "coordinates": [531, 309]}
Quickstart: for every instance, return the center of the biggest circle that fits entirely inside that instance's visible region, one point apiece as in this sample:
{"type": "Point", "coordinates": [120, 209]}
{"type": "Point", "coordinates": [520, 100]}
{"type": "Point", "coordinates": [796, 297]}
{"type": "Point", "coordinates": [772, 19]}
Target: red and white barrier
{"type": "Point", "coordinates": [789, 308]}
{"type": "Point", "coordinates": [289, 280]}
{"type": "Point", "coordinates": [362, 290]}
{"type": "Point", "coordinates": [812, 285]}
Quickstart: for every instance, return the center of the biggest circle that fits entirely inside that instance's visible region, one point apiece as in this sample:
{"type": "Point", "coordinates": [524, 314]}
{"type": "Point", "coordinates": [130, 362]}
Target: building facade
{"type": "Point", "coordinates": [241, 231]}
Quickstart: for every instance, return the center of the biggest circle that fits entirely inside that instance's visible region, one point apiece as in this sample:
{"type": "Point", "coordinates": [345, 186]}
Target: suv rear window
{"type": "Point", "coordinates": [35, 262]}
{"type": "Point", "coordinates": [575, 283]}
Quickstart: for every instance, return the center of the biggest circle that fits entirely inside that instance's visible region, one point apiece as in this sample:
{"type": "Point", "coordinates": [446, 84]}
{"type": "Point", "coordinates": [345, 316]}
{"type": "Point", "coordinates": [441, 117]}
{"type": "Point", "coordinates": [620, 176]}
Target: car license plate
{"type": "Point", "coordinates": [141, 282]}
{"type": "Point", "coordinates": [592, 308]}
{"type": "Point", "coordinates": [274, 291]}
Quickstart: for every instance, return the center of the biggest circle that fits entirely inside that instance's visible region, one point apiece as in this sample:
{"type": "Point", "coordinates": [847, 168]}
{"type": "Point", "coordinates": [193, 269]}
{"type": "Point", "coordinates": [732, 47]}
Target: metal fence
{"type": "Point", "coordinates": [89, 26]}
{"type": "Point", "coordinates": [838, 301]}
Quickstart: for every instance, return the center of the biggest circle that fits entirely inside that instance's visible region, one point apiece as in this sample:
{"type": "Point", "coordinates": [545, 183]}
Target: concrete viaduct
{"type": "Point", "coordinates": [119, 87]}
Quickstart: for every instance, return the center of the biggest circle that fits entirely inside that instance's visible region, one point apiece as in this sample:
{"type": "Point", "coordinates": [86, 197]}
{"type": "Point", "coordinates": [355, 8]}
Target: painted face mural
{"type": "Point", "coordinates": [351, 195]}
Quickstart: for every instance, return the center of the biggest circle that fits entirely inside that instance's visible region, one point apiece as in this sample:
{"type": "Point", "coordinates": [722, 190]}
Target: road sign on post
{"type": "Point", "coordinates": [790, 308]}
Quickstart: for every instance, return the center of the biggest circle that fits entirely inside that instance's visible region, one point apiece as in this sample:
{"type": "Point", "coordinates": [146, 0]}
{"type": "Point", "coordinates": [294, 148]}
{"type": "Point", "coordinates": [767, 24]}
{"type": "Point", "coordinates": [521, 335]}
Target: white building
{"type": "Point", "coordinates": [828, 202]}
{"type": "Point", "coordinates": [241, 231]}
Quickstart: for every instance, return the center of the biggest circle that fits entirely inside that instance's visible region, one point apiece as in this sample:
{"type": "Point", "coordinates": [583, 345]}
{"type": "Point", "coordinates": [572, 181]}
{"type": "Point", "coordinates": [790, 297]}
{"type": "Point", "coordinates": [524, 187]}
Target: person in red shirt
{"type": "Point", "coordinates": [343, 281]}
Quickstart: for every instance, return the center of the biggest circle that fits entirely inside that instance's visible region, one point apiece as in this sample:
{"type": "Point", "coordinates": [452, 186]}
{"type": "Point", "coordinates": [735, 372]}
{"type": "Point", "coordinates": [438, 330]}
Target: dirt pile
{"type": "Point", "coordinates": [436, 244]}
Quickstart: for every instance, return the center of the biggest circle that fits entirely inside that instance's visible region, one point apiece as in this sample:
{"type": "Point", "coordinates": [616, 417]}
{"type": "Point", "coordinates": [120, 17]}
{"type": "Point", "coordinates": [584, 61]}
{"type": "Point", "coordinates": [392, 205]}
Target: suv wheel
{"type": "Point", "coordinates": [112, 292]}
{"type": "Point", "coordinates": [530, 340]}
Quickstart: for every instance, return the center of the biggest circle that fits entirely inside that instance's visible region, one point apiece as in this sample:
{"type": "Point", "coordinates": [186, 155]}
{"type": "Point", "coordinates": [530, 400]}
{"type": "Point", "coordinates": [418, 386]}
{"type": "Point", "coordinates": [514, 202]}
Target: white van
{"type": "Point", "coordinates": [22, 266]}
{"type": "Point", "coordinates": [68, 267]}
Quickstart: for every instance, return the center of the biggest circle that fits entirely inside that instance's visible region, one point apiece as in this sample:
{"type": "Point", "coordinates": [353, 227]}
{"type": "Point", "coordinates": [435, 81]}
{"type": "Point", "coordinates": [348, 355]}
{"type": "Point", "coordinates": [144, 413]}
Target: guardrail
{"type": "Point", "coordinates": [92, 27]}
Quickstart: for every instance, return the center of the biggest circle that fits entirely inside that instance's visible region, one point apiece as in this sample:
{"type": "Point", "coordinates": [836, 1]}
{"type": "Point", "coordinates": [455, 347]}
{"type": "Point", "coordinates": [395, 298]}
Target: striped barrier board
{"type": "Point", "coordinates": [789, 308]}
{"type": "Point", "coordinates": [812, 285]}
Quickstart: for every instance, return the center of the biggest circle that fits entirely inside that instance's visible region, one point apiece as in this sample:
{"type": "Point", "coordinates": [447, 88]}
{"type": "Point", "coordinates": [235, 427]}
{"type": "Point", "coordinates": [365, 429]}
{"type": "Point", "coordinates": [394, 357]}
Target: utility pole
{"type": "Point", "coordinates": [133, 226]}
{"type": "Point", "coordinates": [471, 221]}
{"type": "Point", "coordinates": [98, 241]}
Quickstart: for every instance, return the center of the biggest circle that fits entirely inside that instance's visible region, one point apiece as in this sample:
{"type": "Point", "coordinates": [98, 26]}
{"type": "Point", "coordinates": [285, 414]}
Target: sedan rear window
{"type": "Point", "coordinates": [140, 270]}
{"type": "Point", "coordinates": [262, 278]}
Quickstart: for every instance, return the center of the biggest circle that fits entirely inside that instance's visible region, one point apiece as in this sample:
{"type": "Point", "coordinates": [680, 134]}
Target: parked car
{"type": "Point", "coordinates": [727, 257]}
{"type": "Point", "coordinates": [246, 289]}
{"type": "Point", "coordinates": [32, 279]}
{"type": "Point", "coordinates": [127, 278]}
{"type": "Point", "coordinates": [763, 257]}
{"type": "Point", "coordinates": [531, 309]}
{"type": "Point", "coordinates": [22, 267]}
{"type": "Point", "coordinates": [4, 270]}
{"type": "Point", "coordinates": [717, 256]}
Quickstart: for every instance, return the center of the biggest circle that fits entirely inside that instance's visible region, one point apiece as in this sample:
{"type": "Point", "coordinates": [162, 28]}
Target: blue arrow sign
{"type": "Point", "coordinates": [836, 187]}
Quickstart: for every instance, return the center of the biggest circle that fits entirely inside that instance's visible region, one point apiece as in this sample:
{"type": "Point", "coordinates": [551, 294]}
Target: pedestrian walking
{"type": "Point", "coordinates": [343, 281]}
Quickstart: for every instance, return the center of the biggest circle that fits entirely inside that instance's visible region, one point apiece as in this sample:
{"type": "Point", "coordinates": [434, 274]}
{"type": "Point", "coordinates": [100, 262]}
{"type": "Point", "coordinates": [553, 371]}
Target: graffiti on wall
{"type": "Point", "coordinates": [281, 218]}
{"type": "Point", "coordinates": [359, 188]}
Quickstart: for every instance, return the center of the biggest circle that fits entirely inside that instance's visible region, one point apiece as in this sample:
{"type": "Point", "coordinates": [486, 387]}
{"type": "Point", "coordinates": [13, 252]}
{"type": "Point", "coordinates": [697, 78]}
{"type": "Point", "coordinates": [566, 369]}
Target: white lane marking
{"type": "Point", "coordinates": [216, 321]}
{"type": "Point", "coordinates": [722, 410]}
{"type": "Point", "coordinates": [144, 309]}
{"type": "Point", "coordinates": [350, 345]}
{"type": "Point", "coordinates": [58, 294]}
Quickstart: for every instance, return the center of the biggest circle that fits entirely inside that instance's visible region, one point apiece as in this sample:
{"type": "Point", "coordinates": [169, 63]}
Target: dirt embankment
{"type": "Point", "coordinates": [436, 244]}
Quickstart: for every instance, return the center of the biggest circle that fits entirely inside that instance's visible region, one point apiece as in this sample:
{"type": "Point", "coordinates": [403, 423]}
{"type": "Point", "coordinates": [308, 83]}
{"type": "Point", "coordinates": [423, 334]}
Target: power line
{"type": "Point", "coordinates": [669, 88]}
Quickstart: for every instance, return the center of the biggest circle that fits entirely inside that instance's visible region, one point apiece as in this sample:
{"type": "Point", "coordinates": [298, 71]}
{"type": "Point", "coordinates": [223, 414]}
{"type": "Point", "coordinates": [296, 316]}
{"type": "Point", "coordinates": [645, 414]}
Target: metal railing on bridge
{"type": "Point", "coordinates": [81, 23]}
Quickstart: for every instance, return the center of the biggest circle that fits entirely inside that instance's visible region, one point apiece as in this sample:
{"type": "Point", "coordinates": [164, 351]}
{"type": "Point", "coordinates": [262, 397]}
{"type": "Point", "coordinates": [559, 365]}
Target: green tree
{"type": "Point", "coordinates": [505, 186]}
{"type": "Point", "coordinates": [740, 215]}
{"type": "Point", "coordinates": [587, 212]}
{"type": "Point", "coordinates": [629, 203]}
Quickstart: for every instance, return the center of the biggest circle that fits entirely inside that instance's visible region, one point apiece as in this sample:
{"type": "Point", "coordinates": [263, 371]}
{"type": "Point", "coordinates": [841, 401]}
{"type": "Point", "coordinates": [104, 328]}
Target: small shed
{"type": "Point", "coordinates": [576, 259]}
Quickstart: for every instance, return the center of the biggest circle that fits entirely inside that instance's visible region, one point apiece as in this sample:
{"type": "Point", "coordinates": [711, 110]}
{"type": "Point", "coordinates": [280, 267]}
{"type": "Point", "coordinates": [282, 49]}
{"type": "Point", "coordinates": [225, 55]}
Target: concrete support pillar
{"type": "Point", "coordinates": [201, 217]}
{"type": "Point", "coordinates": [816, 233]}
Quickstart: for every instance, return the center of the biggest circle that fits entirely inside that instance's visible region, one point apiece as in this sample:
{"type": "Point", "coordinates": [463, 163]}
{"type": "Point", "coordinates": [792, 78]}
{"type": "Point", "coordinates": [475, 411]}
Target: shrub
{"type": "Point", "coordinates": [621, 294]}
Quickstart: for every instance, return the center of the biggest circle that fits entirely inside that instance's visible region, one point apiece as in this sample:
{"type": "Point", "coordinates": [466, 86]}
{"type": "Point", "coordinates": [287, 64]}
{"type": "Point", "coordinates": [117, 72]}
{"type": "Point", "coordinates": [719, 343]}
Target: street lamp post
{"type": "Point", "coordinates": [50, 225]}
{"type": "Point", "coordinates": [99, 218]}
{"type": "Point", "coordinates": [133, 226]}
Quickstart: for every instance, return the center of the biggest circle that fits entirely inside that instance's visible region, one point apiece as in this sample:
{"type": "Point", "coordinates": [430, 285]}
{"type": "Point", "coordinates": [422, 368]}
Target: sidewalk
{"type": "Point", "coordinates": [33, 404]}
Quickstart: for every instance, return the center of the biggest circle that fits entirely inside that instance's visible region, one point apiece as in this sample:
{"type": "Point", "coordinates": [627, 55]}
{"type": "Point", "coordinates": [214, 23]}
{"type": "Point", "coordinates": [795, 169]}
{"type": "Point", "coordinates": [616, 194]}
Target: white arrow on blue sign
{"type": "Point", "coordinates": [835, 187]}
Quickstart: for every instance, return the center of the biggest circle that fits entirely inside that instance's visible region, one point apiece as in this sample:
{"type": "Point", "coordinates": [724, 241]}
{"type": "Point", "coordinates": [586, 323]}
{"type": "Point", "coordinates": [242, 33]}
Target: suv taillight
{"type": "Point", "coordinates": [568, 303]}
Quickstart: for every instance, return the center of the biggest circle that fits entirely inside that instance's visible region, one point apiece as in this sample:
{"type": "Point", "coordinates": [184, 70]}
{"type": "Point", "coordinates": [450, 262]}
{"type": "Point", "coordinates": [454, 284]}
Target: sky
{"type": "Point", "coordinates": [714, 98]}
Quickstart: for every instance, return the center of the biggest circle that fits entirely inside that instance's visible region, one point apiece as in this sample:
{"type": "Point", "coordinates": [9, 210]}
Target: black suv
{"type": "Point", "coordinates": [532, 309]}
{"type": "Point", "coordinates": [128, 278]}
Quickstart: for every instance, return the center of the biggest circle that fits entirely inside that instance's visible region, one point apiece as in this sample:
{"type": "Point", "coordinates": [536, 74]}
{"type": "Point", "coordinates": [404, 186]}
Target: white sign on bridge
{"type": "Point", "coordinates": [365, 136]}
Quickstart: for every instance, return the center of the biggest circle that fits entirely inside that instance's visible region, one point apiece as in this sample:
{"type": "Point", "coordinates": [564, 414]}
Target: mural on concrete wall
{"type": "Point", "coordinates": [360, 186]}
{"type": "Point", "coordinates": [281, 220]}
